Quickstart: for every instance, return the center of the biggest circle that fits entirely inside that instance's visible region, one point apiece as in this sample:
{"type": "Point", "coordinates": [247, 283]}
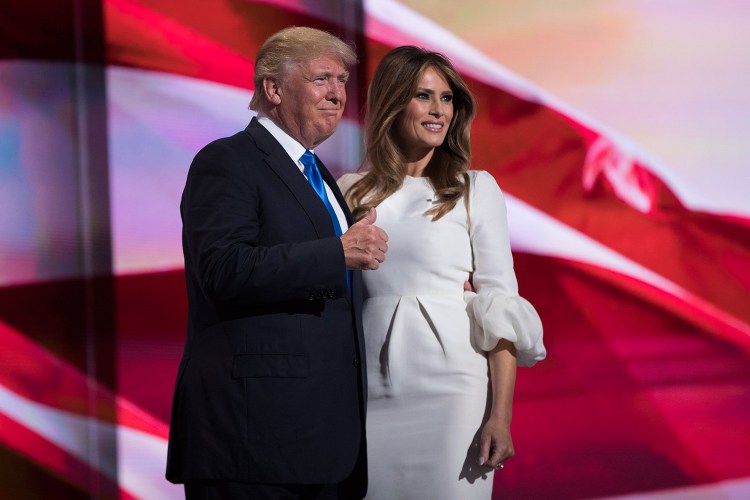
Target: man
{"type": "Point", "coordinates": [270, 393]}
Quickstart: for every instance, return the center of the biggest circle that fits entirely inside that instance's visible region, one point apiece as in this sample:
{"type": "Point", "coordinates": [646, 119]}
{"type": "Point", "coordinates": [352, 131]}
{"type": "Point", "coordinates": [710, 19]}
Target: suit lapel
{"type": "Point", "coordinates": [287, 170]}
{"type": "Point", "coordinates": [278, 160]}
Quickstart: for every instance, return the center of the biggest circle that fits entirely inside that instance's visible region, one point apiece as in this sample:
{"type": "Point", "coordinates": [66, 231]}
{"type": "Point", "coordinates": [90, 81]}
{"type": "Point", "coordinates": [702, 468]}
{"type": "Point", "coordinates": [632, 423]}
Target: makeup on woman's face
{"type": "Point", "coordinates": [424, 122]}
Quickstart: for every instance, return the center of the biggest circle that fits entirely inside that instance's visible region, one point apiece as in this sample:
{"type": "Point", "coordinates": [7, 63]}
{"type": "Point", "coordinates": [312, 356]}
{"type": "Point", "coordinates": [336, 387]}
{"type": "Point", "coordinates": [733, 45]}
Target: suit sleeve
{"type": "Point", "coordinates": [222, 233]}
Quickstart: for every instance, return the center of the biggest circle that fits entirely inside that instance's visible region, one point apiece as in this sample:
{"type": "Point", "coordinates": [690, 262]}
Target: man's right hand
{"type": "Point", "coordinates": [365, 243]}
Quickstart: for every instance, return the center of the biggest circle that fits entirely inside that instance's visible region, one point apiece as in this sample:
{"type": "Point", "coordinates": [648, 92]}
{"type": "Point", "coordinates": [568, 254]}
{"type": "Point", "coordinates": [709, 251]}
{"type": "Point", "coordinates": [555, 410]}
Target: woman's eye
{"type": "Point", "coordinates": [447, 98]}
{"type": "Point", "coordinates": [422, 95]}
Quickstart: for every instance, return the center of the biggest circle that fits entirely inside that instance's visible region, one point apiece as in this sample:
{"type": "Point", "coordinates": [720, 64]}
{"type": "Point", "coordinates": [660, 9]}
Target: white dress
{"type": "Point", "coordinates": [426, 364]}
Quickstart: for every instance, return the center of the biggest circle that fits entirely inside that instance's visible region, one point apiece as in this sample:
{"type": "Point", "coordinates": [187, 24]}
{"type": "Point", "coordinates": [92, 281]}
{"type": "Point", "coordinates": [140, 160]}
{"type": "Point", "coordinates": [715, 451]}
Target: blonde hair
{"type": "Point", "coordinates": [392, 88]}
{"type": "Point", "coordinates": [292, 46]}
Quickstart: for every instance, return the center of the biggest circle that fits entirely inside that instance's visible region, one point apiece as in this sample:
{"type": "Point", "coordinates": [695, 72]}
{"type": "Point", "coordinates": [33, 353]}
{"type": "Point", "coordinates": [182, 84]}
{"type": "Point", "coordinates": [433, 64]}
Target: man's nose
{"type": "Point", "coordinates": [336, 91]}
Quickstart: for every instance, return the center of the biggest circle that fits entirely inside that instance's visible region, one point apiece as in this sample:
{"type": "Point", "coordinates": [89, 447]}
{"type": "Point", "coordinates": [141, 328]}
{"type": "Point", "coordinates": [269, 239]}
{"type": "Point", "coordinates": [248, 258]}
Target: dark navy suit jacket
{"type": "Point", "coordinates": [271, 387]}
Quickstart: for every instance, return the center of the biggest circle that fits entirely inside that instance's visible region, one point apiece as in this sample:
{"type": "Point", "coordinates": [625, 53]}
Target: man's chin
{"type": "Point", "coordinates": [322, 136]}
{"type": "Point", "coordinates": [327, 130]}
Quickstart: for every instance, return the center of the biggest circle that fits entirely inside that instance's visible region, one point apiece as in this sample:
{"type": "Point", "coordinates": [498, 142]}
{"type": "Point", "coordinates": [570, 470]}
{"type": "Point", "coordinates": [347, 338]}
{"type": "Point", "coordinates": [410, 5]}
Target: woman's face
{"type": "Point", "coordinates": [423, 124]}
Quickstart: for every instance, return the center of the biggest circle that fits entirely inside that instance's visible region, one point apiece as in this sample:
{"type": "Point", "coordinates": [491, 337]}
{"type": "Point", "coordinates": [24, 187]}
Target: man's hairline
{"type": "Point", "coordinates": [287, 66]}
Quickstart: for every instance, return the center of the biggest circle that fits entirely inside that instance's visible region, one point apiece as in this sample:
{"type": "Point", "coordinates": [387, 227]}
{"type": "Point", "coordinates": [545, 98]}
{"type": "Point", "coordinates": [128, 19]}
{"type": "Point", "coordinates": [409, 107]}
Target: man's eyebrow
{"type": "Point", "coordinates": [343, 74]}
{"type": "Point", "coordinates": [328, 74]}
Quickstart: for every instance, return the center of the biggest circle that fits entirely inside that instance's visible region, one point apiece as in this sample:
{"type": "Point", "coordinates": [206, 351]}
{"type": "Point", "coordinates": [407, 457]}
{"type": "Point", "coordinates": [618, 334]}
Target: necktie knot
{"type": "Point", "coordinates": [308, 160]}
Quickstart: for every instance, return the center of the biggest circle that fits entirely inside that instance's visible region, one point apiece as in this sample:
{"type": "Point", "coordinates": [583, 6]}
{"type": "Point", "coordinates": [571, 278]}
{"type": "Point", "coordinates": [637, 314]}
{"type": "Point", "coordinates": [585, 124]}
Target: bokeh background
{"type": "Point", "coordinates": [617, 129]}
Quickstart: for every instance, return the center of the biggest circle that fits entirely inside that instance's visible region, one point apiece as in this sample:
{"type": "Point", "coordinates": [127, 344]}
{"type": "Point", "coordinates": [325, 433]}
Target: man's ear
{"type": "Point", "coordinates": [272, 90]}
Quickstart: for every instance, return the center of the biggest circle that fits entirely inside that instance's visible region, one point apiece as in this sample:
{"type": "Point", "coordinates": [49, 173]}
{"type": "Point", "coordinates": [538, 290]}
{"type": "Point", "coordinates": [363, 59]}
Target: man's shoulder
{"type": "Point", "coordinates": [240, 141]}
{"type": "Point", "coordinates": [223, 154]}
{"type": "Point", "coordinates": [239, 138]}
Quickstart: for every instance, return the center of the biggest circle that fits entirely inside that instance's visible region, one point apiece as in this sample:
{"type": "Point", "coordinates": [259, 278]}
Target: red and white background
{"type": "Point", "coordinates": [618, 131]}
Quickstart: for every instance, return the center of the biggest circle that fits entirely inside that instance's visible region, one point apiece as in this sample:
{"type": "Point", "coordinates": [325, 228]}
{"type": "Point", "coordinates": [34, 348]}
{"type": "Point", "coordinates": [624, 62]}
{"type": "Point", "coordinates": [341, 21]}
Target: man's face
{"type": "Point", "coordinates": [312, 99]}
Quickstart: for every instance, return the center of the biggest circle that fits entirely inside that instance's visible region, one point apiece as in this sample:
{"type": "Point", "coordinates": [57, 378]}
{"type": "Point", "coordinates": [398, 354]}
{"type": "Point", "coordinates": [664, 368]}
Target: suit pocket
{"type": "Point", "coordinates": [270, 365]}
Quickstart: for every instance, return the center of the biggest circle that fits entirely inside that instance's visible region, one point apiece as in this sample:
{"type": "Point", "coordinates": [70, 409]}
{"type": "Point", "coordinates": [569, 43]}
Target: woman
{"type": "Point", "coordinates": [441, 362]}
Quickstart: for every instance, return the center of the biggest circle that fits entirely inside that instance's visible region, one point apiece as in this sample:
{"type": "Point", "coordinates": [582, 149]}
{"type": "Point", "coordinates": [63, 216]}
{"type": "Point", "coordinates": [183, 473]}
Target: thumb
{"type": "Point", "coordinates": [484, 450]}
{"type": "Point", "coordinates": [370, 218]}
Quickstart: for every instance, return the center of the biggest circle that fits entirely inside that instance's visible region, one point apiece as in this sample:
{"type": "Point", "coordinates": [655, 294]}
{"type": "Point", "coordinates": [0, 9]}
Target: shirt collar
{"type": "Point", "coordinates": [293, 148]}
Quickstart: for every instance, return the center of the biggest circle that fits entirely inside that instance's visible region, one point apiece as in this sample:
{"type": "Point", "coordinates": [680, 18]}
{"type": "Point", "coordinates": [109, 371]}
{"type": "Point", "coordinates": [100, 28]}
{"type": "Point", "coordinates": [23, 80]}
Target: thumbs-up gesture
{"type": "Point", "coordinates": [365, 243]}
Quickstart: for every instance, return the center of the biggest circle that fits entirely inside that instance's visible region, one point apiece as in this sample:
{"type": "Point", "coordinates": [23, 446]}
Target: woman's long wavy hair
{"type": "Point", "coordinates": [392, 88]}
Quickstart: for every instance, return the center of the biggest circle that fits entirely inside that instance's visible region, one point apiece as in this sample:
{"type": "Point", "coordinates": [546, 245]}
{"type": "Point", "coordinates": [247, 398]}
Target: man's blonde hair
{"type": "Point", "coordinates": [292, 46]}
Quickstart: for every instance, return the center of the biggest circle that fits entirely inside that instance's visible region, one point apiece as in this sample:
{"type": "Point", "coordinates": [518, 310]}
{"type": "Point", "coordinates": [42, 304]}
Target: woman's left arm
{"type": "Point", "coordinates": [495, 443]}
{"type": "Point", "coordinates": [504, 325]}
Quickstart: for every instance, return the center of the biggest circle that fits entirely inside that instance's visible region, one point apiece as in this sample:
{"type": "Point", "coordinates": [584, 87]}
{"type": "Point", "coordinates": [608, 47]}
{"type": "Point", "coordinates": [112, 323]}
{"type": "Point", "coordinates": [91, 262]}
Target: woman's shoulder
{"type": "Point", "coordinates": [483, 181]}
{"type": "Point", "coordinates": [346, 181]}
{"type": "Point", "coordinates": [485, 196]}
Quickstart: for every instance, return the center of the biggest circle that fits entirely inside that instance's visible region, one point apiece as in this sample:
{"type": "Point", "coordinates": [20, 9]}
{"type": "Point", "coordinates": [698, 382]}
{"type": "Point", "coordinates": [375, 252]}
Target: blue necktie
{"type": "Point", "coordinates": [313, 175]}
{"type": "Point", "coordinates": [316, 181]}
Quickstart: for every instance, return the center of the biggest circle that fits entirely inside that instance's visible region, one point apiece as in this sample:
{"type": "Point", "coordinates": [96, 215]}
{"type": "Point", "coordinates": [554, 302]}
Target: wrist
{"type": "Point", "coordinates": [501, 416]}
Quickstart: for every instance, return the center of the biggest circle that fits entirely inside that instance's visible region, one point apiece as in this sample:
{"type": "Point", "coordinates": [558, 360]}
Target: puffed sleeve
{"type": "Point", "coordinates": [496, 309]}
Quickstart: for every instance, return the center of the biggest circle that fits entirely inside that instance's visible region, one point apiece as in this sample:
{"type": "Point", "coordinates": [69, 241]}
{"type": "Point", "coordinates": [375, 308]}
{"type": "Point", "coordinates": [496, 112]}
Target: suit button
{"type": "Point", "coordinates": [356, 363]}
